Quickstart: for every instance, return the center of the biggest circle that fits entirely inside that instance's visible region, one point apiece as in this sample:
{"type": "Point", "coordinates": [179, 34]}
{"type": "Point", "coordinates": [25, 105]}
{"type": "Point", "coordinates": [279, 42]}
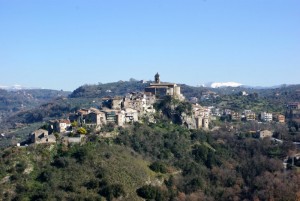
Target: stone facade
{"type": "Point", "coordinates": [161, 89]}
{"type": "Point", "coordinates": [41, 136]}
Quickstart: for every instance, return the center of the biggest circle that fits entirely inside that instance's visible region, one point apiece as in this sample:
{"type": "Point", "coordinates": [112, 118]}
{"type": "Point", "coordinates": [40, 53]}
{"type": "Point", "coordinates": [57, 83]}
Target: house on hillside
{"type": "Point", "coordinates": [249, 115]}
{"type": "Point", "coordinates": [60, 126]}
{"type": "Point", "coordinates": [95, 118]}
{"type": "Point", "coordinates": [265, 133]}
{"type": "Point", "coordinates": [41, 136]}
{"type": "Point", "coordinates": [235, 116]}
{"type": "Point", "coordinates": [116, 103]}
{"type": "Point", "coordinates": [63, 125]}
{"type": "Point", "coordinates": [266, 117]}
{"type": "Point", "coordinates": [294, 105]}
{"type": "Point", "coordinates": [281, 118]}
{"type": "Point", "coordinates": [131, 115]}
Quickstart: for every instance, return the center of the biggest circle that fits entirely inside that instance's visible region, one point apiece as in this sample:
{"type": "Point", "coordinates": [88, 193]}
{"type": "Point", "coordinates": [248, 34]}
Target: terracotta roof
{"type": "Point", "coordinates": [67, 121]}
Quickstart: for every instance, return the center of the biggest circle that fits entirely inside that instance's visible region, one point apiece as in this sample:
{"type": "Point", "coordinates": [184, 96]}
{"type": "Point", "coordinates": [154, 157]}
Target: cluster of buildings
{"type": "Point", "coordinates": [249, 115]}
{"type": "Point", "coordinates": [120, 111]}
{"type": "Point", "coordinates": [62, 128]}
{"type": "Point", "coordinates": [207, 95]}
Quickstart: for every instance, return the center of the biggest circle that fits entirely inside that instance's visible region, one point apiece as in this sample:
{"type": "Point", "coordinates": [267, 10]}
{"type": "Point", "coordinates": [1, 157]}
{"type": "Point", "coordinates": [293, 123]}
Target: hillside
{"type": "Point", "coordinates": [42, 105]}
{"type": "Point", "coordinates": [89, 172]}
{"type": "Point", "coordinates": [122, 87]}
{"type": "Point", "coordinates": [110, 89]}
{"type": "Point", "coordinates": [258, 99]}
{"type": "Point", "coordinates": [21, 100]}
{"type": "Point", "coordinates": [19, 125]}
{"type": "Point", "coordinates": [157, 162]}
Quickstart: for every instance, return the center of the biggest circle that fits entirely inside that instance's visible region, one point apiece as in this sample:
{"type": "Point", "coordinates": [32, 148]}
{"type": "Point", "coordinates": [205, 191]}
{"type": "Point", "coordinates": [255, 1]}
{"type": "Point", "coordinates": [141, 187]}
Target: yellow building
{"type": "Point", "coordinates": [281, 118]}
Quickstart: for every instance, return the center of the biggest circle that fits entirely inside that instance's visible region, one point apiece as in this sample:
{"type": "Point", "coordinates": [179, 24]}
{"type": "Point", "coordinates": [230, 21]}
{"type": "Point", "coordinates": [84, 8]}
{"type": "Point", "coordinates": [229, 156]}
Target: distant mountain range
{"type": "Point", "coordinates": [214, 85]}
{"type": "Point", "coordinates": [222, 84]}
{"type": "Point", "coordinates": [16, 87]}
{"type": "Point", "coordinates": [235, 84]}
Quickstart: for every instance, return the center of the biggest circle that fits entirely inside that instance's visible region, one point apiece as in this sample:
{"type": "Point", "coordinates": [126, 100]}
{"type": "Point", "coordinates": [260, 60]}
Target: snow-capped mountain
{"type": "Point", "coordinates": [222, 84]}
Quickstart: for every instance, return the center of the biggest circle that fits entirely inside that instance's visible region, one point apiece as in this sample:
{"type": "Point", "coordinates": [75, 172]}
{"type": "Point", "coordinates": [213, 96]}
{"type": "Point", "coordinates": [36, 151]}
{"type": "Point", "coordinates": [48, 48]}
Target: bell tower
{"type": "Point", "coordinates": [156, 78]}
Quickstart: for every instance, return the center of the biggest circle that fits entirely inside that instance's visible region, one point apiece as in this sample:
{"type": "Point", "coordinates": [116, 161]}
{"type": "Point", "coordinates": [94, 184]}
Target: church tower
{"type": "Point", "coordinates": [156, 78]}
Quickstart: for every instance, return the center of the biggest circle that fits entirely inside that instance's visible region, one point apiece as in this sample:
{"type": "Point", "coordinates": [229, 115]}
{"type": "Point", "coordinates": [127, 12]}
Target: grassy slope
{"type": "Point", "coordinates": [121, 166]}
{"type": "Point", "coordinates": [127, 168]}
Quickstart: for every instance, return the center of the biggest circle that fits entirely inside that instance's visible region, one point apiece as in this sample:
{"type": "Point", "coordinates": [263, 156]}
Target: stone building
{"type": "Point", "coordinates": [41, 136]}
{"type": "Point", "coordinates": [116, 103]}
{"type": "Point", "coordinates": [95, 119]}
{"type": "Point", "coordinates": [135, 101]}
{"type": "Point", "coordinates": [131, 115]}
{"type": "Point", "coordinates": [161, 89]}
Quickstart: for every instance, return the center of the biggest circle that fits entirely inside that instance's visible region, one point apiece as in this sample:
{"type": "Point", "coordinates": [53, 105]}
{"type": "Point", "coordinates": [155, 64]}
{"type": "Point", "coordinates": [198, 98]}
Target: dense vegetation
{"type": "Point", "coordinates": [160, 161]}
{"type": "Point", "coordinates": [216, 166]}
{"type": "Point", "coordinates": [110, 89]}
{"type": "Point", "coordinates": [91, 172]}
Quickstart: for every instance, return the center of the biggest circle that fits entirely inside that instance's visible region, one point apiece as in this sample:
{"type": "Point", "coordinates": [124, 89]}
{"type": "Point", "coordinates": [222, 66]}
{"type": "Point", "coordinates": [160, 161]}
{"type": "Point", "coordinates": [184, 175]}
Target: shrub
{"type": "Point", "coordinates": [151, 193]}
{"type": "Point", "coordinates": [45, 176]}
{"type": "Point", "coordinates": [112, 191]}
{"type": "Point", "coordinates": [81, 131]}
{"type": "Point", "coordinates": [158, 167]}
{"type": "Point", "coordinates": [60, 162]}
{"type": "Point", "coordinates": [81, 154]}
{"type": "Point", "coordinates": [147, 192]}
{"type": "Point", "coordinates": [20, 167]}
{"type": "Point", "coordinates": [92, 184]}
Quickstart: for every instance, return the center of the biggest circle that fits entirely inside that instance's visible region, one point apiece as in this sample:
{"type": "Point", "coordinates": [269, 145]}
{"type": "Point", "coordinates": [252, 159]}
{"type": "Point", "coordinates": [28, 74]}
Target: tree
{"type": "Point", "coordinates": [112, 191]}
{"type": "Point", "coordinates": [148, 192]}
{"type": "Point", "coordinates": [81, 131]}
{"type": "Point", "coordinates": [158, 166]}
{"type": "Point", "coordinates": [74, 124]}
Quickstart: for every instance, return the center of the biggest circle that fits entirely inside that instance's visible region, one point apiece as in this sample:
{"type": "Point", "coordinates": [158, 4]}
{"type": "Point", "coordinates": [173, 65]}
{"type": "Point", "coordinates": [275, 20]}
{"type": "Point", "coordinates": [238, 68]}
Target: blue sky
{"type": "Point", "coordinates": [64, 44]}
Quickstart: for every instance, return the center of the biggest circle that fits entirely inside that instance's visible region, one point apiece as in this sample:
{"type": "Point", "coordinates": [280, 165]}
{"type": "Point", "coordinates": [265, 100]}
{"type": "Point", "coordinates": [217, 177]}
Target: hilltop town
{"type": "Point", "coordinates": [121, 111]}
{"type": "Point", "coordinates": [161, 141]}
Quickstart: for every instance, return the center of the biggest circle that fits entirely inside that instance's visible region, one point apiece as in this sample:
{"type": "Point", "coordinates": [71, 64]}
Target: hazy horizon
{"type": "Point", "coordinates": [208, 85]}
{"type": "Point", "coordinates": [66, 44]}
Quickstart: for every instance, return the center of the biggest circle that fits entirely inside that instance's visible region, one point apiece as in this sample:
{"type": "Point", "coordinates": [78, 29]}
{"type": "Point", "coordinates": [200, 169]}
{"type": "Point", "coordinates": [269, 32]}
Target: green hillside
{"type": "Point", "coordinates": [26, 99]}
{"type": "Point", "coordinates": [159, 162]}
{"type": "Point", "coordinates": [90, 172]}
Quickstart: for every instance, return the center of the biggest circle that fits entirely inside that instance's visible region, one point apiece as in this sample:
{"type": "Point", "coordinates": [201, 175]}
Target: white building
{"type": "Point", "coordinates": [266, 117]}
